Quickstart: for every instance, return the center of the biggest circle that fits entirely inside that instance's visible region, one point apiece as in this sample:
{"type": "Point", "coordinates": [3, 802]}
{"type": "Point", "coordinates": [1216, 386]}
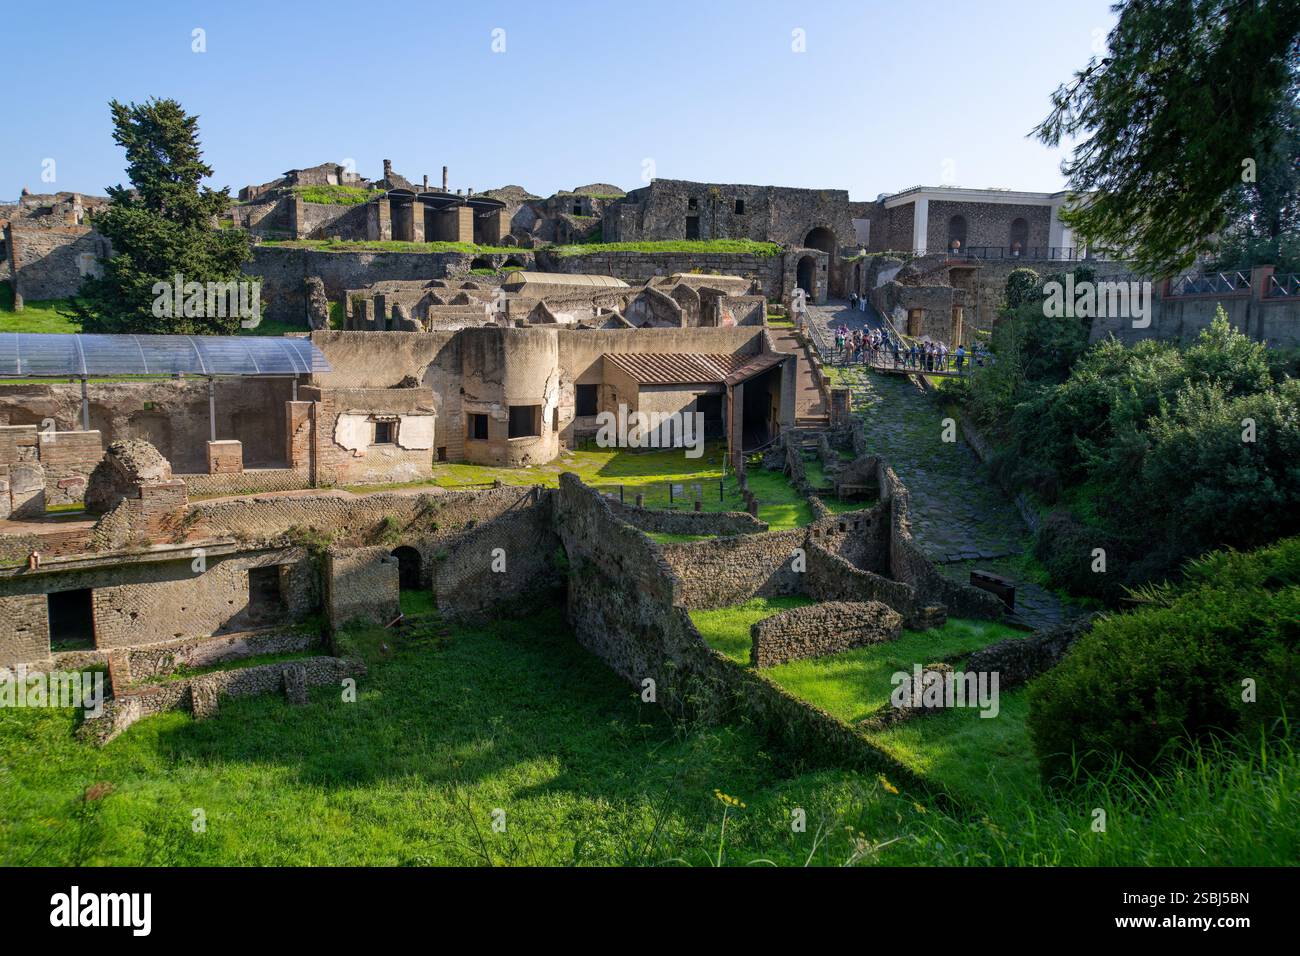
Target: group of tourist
{"type": "Point", "coordinates": [876, 347]}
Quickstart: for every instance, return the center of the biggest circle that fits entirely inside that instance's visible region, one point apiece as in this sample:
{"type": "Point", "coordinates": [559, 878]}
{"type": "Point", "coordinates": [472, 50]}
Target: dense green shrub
{"type": "Point", "coordinates": [1022, 287]}
{"type": "Point", "coordinates": [1148, 446]}
{"type": "Point", "coordinates": [1174, 668]}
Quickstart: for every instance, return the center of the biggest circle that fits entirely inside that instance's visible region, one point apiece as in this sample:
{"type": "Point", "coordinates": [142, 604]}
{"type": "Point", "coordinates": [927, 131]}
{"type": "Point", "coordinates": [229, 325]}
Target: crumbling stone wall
{"type": "Point", "coordinates": [817, 630]}
{"type": "Point", "coordinates": [361, 584]}
{"type": "Point", "coordinates": [512, 561]}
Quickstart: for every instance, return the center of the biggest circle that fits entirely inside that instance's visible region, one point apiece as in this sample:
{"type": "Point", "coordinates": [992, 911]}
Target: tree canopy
{"type": "Point", "coordinates": [160, 227]}
{"type": "Point", "coordinates": [1181, 111]}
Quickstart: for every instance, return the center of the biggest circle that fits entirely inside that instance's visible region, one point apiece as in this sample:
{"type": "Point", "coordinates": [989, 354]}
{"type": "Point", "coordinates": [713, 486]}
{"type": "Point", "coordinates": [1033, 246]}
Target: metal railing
{"type": "Point", "coordinates": [1218, 283]}
{"type": "Point", "coordinates": [1283, 286]}
{"type": "Point", "coordinates": [1033, 253]}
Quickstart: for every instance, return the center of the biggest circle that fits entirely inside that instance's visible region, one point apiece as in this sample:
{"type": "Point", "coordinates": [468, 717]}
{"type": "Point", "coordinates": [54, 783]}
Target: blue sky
{"type": "Point", "coordinates": [886, 95]}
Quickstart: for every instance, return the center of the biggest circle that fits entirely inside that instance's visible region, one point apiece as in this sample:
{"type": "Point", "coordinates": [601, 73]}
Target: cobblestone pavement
{"type": "Point", "coordinates": [959, 517]}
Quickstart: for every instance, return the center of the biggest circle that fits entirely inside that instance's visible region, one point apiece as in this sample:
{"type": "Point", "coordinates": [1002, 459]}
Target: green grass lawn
{"type": "Point", "coordinates": [972, 756]}
{"type": "Point", "coordinates": [648, 471]}
{"type": "Point", "coordinates": [518, 717]}
{"type": "Point", "coordinates": [726, 629]}
{"type": "Point", "coordinates": [40, 316]}
{"type": "Point", "coordinates": [957, 749]}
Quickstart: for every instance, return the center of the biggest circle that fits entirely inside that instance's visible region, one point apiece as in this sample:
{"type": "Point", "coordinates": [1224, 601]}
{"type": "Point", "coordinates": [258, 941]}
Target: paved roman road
{"type": "Point", "coordinates": [959, 517]}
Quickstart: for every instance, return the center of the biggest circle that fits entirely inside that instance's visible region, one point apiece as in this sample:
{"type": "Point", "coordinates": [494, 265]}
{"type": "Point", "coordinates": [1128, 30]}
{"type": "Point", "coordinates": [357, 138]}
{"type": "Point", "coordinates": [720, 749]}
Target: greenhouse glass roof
{"type": "Point", "coordinates": [36, 355]}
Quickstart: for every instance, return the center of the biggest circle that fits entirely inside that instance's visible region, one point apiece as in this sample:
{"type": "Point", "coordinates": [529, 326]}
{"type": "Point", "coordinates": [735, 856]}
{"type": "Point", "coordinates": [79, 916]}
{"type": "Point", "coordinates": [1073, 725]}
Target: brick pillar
{"type": "Point", "coordinates": [841, 406]}
{"type": "Point", "coordinates": [11, 244]}
{"type": "Point", "coordinates": [464, 224]}
{"type": "Point", "coordinates": [379, 221]}
{"type": "Point", "coordinates": [417, 221]}
{"type": "Point", "coordinates": [297, 218]}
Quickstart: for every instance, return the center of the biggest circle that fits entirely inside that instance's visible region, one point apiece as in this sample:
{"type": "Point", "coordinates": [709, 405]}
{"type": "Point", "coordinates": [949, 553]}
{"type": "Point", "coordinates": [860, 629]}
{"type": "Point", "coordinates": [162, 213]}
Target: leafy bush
{"type": "Point", "coordinates": [1022, 287]}
{"type": "Point", "coordinates": [1165, 451]}
{"type": "Point", "coordinates": [1174, 669]}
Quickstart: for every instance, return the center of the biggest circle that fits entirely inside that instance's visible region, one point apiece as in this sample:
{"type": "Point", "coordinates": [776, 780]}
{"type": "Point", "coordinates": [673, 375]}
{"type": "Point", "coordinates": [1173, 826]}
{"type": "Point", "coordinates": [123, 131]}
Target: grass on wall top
{"type": "Point", "coordinates": [685, 246]}
{"type": "Point", "coordinates": [336, 195]}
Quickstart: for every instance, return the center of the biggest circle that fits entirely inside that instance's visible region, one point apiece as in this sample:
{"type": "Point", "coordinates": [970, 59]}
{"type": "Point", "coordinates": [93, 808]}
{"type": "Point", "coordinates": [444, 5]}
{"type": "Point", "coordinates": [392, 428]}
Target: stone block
{"type": "Point", "coordinates": [295, 684]}
{"type": "Point", "coordinates": [225, 457]}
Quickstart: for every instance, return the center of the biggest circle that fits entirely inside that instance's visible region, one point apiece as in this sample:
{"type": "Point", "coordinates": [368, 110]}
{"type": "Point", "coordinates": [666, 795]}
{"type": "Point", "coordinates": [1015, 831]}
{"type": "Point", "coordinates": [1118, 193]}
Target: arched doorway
{"type": "Point", "coordinates": [806, 276]}
{"type": "Point", "coordinates": [480, 264]}
{"type": "Point", "coordinates": [1019, 238]}
{"type": "Point", "coordinates": [408, 568]}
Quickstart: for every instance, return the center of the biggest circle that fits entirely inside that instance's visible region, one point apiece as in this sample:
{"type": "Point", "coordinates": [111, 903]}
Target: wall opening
{"type": "Point", "coordinates": [385, 433]}
{"type": "Point", "coordinates": [692, 227]}
{"type": "Point", "coordinates": [525, 421]}
{"type": "Point", "coordinates": [479, 263]}
{"type": "Point", "coordinates": [806, 276]}
{"type": "Point", "coordinates": [761, 408]}
{"type": "Point", "coordinates": [265, 600]}
{"type": "Point", "coordinates": [478, 427]}
{"type": "Point", "coordinates": [72, 619]}
{"type": "Point", "coordinates": [740, 207]}
{"type": "Point", "coordinates": [710, 406]}
{"type": "Point", "coordinates": [956, 233]}
{"type": "Point", "coordinates": [585, 400]}
{"type": "Point", "coordinates": [1019, 237]}
{"type": "Point", "coordinates": [408, 568]}
{"type": "Point", "coordinates": [820, 238]}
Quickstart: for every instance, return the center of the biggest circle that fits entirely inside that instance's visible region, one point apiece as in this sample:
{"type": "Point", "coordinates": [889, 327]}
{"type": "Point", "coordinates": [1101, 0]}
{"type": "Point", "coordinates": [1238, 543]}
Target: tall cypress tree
{"type": "Point", "coordinates": [161, 226]}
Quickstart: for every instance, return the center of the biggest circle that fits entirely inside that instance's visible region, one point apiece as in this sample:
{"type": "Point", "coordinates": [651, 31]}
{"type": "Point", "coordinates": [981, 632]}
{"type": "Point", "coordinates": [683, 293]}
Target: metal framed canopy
{"type": "Point", "coordinates": [43, 355]}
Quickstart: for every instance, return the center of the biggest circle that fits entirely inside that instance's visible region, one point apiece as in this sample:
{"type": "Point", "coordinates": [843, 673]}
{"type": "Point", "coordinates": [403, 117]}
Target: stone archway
{"type": "Point", "coordinates": [822, 239]}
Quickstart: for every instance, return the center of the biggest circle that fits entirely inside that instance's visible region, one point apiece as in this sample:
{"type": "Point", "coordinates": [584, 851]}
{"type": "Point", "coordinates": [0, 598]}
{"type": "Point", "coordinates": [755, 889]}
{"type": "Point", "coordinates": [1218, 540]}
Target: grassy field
{"type": "Point", "coordinates": [449, 727]}
{"type": "Point", "coordinates": [957, 749]}
{"type": "Point", "coordinates": [650, 472]}
{"type": "Point", "coordinates": [43, 316]}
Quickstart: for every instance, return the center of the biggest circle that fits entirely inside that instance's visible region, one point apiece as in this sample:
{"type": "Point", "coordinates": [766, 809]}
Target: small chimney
{"type": "Point", "coordinates": [388, 169]}
{"type": "Point", "coordinates": [426, 182]}
{"type": "Point", "coordinates": [444, 179]}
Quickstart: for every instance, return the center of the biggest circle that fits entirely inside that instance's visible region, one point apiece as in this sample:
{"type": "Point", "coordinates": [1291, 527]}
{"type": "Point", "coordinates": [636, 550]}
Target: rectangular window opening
{"type": "Point", "coordinates": [585, 399]}
{"type": "Point", "coordinates": [478, 427]}
{"type": "Point", "coordinates": [525, 421]}
{"type": "Point", "coordinates": [72, 619]}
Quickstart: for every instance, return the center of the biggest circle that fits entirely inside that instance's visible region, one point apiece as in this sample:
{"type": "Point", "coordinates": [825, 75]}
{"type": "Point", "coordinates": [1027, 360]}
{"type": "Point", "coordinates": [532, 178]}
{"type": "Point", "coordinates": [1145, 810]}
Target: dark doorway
{"type": "Point", "coordinates": [72, 619]}
{"type": "Point", "coordinates": [692, 227]}
{"type": "Point", "coordinates": [806, 276]}
{"type": "Point", "coordinates": [408, 568]}
{"type": "Point", "coordinates": [761, 409]}
{"type": "Point", "coordinates": [585, 400]}
{"type": "Point", "coordinates": [265, 601]}
{"type": "Point", "coordinates": [710, 406]}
